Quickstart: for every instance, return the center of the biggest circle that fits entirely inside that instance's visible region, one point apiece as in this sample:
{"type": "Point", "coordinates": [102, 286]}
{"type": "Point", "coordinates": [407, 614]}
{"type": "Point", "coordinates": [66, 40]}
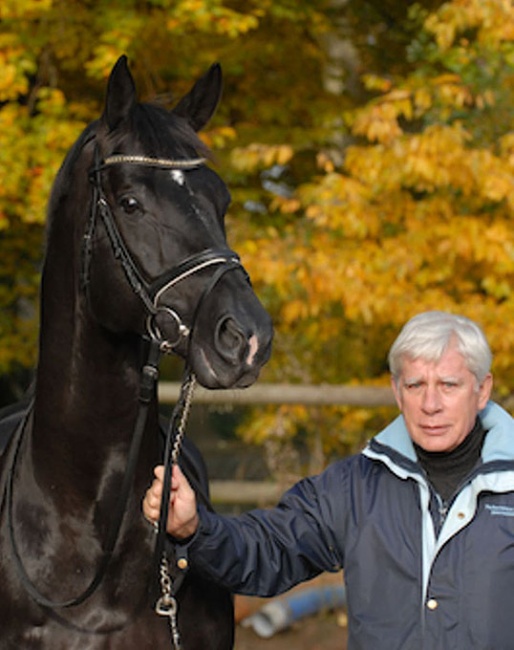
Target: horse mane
{"type": "Point", "coordinates": [164, 134]}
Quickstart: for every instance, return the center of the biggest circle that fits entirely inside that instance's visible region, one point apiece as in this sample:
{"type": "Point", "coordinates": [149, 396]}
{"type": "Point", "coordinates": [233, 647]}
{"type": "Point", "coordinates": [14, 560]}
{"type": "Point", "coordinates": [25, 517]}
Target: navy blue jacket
{"type": "Point", "coordinates": [417, 577]}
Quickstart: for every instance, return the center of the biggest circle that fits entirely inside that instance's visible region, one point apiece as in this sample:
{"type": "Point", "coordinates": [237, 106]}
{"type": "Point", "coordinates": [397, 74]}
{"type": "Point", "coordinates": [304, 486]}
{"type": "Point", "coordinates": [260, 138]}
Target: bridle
{"type": "Point", "coordinates": [226, 260]}
{"type": "Point", "coordinates": [150, 294]}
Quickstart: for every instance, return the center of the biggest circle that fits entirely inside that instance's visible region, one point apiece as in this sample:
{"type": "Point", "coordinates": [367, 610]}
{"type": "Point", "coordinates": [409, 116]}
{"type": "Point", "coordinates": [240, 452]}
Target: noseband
{"type": "Point", "coordinates": [151, 294]}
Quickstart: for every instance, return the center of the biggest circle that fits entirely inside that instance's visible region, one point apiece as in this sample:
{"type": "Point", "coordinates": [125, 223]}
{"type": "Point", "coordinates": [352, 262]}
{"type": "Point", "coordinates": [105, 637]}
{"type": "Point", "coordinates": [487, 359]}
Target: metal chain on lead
{"type": "Point", "coordinates": [167, 603]}
{"type": "Point", "coordinates": [188, 399]}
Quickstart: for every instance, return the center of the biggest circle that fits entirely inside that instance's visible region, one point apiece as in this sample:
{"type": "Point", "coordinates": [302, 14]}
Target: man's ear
{"type": "Point", "coordinates": [396, 392]}
{"type": "Point", "coordinates": [484, 391]}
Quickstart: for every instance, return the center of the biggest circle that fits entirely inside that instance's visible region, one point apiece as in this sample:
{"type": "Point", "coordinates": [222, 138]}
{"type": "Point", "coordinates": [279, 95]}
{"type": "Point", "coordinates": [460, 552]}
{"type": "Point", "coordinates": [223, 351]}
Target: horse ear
{"type": "Point", "coordinates": [199, 105]}
{"type": "Point", "coordinates": [121, 94]}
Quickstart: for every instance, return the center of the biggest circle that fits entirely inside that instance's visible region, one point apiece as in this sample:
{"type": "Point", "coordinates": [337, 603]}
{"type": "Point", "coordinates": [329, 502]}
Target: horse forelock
{"type": "Point", "coordinates": [161, 134]}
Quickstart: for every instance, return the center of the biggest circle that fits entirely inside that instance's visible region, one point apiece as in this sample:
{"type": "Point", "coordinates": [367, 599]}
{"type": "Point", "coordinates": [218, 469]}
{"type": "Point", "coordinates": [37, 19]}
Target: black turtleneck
{"type": "Point", "coordinates": [447, 469]}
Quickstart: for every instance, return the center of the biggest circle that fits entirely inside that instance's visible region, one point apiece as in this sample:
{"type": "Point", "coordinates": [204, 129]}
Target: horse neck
{"type": "Point", "coordinates": [87, 386]}
{"type": "Point", "coordinates": [82, 367]}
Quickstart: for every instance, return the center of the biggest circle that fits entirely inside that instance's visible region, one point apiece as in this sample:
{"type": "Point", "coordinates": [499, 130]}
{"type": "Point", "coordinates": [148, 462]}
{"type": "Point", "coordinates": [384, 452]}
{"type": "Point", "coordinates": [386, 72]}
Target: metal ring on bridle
{"type": "Point", "coordinates": [183, 331]}
{"type": "Point", "coordinates": [187, 268]}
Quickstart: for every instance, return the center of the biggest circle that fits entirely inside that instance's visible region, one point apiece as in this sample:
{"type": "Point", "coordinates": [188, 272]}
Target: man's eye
{"type": "Point", "coordinates": [130, 204]}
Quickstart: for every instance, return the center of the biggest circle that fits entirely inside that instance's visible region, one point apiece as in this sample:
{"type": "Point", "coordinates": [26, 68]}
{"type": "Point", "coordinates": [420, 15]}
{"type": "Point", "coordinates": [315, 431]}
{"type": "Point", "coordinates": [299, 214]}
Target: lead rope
{"type": "Point", "coordinates": [166, 605]}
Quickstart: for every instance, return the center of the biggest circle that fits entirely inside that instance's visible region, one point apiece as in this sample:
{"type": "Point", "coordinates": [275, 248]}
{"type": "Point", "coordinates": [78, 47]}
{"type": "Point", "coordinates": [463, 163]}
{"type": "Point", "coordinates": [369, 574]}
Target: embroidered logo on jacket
{"type": "Point", "coordinates": [500, 511]}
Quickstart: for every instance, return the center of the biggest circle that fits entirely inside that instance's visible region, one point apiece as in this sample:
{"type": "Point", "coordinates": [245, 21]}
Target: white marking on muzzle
{"type": "Point", "coordinates": [253, 346]}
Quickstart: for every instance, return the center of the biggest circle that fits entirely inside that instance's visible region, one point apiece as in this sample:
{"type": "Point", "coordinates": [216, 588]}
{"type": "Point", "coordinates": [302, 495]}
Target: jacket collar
{"type": "Point", "coordinates": [395, 441]}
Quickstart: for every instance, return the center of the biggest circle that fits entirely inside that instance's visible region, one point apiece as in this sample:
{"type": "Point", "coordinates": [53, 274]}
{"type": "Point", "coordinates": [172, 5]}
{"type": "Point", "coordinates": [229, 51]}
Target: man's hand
{"type": "Point", "coordinates": [182, 515]}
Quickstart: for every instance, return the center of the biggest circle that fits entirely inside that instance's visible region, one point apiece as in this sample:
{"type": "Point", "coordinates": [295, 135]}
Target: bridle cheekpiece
{"type": "Point", "coordinates": [151, 293]}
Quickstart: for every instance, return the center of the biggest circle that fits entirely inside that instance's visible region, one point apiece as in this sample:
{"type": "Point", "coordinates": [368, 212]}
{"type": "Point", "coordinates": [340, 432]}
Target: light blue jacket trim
{"type": "Point", "coordinates": [397, 433]}
{"type": "Point", "coordinates": [396, 436]}
{"type": "Point", "coordinates": [498, 446]}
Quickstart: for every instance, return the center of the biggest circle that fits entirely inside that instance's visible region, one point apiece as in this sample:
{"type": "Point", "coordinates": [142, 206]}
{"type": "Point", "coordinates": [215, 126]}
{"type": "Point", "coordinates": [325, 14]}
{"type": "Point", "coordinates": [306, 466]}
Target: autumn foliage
{"type": "Point", "coordinates": [352, 211]}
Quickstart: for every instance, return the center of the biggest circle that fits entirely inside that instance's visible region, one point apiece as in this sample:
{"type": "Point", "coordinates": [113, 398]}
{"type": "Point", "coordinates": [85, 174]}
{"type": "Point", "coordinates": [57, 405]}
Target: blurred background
{"type": "Point", "coordinates": [369, 149]}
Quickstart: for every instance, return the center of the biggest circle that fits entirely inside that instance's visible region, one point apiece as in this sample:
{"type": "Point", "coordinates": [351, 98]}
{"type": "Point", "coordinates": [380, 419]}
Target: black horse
{"type": "Point", "coordinates": [136, 261]}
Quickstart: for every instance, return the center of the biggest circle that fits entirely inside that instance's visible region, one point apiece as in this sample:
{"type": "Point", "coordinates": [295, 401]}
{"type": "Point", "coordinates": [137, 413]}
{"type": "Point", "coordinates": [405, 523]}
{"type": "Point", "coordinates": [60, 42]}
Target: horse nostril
{"type": "Point", "coordinates": [229, 340]}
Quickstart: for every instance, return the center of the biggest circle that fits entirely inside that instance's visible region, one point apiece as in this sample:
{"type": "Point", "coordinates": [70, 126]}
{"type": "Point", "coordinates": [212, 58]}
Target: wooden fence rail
{"type": "Point", "coordinates": [265, 492]}
{"type": "Point", "coordinates": [313, 395]}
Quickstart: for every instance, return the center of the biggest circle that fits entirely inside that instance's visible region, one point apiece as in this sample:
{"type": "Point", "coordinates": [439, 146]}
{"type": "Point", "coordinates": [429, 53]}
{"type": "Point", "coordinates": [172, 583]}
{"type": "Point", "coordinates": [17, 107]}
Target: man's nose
{"type": "Point", "coordinates": [431, 399]}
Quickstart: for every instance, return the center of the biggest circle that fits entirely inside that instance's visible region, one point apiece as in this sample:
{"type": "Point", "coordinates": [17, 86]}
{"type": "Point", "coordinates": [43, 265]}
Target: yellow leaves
{"type": "Point", "coordinates": [418, 221]}
{"type": "Point", "coordinates": [265, 261]}
{"type": "Point", "coordinates": [51, 102]}
{"type": "Point", "coordinates": [121, 29]}
{"type": "Point", "coordinates": [13, 156]}
{"type": "Point", "coordinates": [211, 16]}
{"type": "Point", "coordinates": [325, 162]}
{"type": "Point", "coordinates": [15, 66]}
{"type": "Point", "coordinates": [285, 205]}
{"type": "Point", "coordinates": [279, 424]}
{"type": "Point", "coordinates": [258, 155]}
{"type": "Point", "coordinates": [105, 56]}
{"type": "Point", "coordinates": [423, 100]}
{"type": "Point", "coordinates": [485, 99]}
{"type": "Point", "coordinates": [493, 20]}
{"type": "Point", "coordinates": [294, 310]}
{"type": "Point", "coordinates": [444, 32]}
{"type": "Point", "coordinates": [31, 150]}
{"type": "Point", "coordinates": [218, 138]}
{"type": "Point", "coordinates": [430, 161]}
{"type": "Point", "coordinates": [379, 123]}
{"type": "Point", "coordinates": [375, 83]}
{"type": "Point", "coordinates": [451, 92]}
{"type": "Point", "coordinates": [11, 84]}
{"type": "Point", "coordinates": [506, 146]}
{"type": "Point", "coordinates": [499, 186]}
{"type": "Point", "coordinates": [434, 158]}
{"type": "Point", "coordinates": [379, 120]}
{"type": "Point", "coordinates": [496, 287]}
{"type": "Point", "coordinates": [12, 9]}
{"type": "Point", "coordinates": [340, 203]}
{"type": "Point", "coordinates": [372, 252]}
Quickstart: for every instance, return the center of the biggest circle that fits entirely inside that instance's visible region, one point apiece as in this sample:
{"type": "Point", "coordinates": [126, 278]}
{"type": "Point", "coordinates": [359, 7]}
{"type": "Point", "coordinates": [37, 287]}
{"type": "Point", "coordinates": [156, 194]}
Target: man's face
{"type": "Point", "coordinates": [440, 400]}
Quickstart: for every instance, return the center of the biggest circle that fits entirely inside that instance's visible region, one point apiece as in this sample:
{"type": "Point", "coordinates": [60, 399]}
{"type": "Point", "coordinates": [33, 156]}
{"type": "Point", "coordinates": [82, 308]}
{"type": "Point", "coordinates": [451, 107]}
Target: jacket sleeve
{"type": "Point", "coordinates": [266, 552]}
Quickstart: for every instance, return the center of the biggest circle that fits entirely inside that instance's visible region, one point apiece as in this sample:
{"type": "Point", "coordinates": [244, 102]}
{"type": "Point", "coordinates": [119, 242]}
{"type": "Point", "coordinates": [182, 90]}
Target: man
{"type": "Point", "coordinates": [422, 521]}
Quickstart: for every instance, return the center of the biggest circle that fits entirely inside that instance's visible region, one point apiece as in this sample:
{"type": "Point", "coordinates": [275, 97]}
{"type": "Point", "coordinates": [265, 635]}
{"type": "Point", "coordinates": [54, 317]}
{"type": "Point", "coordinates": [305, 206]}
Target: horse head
{"type": "Point", "coordinates": [155, 259]}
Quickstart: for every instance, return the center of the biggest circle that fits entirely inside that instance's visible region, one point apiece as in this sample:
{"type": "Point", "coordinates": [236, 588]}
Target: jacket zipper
{"type": "Point", "coordinates": [443, 511]}
{"type": "Point", "coordinates": [441, 508]}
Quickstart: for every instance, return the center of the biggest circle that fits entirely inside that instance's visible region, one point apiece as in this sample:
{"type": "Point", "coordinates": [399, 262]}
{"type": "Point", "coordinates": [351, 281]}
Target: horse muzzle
{"type": "Point", "coordinates": [164, 323]}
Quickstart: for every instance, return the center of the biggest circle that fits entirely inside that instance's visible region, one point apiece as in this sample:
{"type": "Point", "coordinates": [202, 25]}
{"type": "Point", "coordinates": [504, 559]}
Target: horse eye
{"type": "Point", "coordinates": [130, 204]}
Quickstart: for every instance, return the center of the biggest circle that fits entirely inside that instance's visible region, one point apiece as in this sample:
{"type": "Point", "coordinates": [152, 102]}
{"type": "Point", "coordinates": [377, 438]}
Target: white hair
{"type": "Point", "coordinates": [428, 335]}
